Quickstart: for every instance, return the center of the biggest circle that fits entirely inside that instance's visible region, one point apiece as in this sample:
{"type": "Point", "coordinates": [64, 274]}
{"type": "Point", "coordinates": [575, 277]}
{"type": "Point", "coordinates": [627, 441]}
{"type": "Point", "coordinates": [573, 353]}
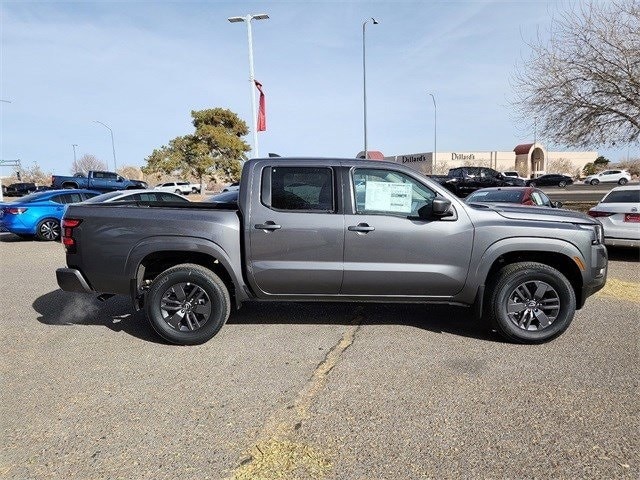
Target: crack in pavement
{"type": "Point", "coordinates": [274, 453]}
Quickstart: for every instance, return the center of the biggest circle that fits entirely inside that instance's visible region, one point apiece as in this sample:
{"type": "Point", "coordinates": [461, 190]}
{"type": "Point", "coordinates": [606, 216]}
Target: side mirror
{"type": "Point", "coordinates": [440, 207]}
{"type": "Point", "coordinates": [556, 204]}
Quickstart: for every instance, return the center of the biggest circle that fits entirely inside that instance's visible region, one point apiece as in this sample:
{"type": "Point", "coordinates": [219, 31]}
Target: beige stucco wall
{"type": "Point", "coordinates": [571, 162]}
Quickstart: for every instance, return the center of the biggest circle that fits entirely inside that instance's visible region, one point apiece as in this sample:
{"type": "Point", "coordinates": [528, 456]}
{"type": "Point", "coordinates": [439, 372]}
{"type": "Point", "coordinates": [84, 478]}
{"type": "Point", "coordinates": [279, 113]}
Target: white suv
{"type": "Point", "coordinates": [621, 177]}
{"type": "Point", "coordinates": [183, 188]}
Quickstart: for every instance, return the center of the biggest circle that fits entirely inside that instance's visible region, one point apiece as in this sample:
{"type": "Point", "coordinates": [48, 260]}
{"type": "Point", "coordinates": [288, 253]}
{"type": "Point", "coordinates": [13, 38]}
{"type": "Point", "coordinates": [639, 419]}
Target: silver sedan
{"type": "Point", "coordinates": [619, 214]}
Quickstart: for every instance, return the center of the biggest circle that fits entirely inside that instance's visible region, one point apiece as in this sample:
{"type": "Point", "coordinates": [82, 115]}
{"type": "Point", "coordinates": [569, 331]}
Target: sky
{"type": "Point", "coordinates": [141, 67]}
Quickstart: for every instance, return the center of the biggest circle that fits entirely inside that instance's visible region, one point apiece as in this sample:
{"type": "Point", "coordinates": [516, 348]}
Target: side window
{"type": "Point", "coordinates": [110, 176]}
{"type": "Point", "coordinates": [167, 197]}
{"type": "Point", "coordinates": [300, 189]}
{"type": "Point", "coordinates": [98, 175]}
{"type": "Point", "coordinates": [545, 200]}
{"type": "Point", "coordinates": [539, 198]}
{"type": "Point", "coordinates": [389, 193]}
{"type": "Point", "coordinates": [146, 197]}
{"type": "Point", "coordinates": [70, 198]}
{"type": "Point", "coordinates": [57, 199]}
{"type": "Point", "coordinates": [87, 196]}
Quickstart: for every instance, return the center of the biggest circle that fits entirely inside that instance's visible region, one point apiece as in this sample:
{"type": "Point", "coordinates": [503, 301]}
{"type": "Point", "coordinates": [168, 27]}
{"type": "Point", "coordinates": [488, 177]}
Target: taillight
{"type": "Point", "coordinates": [68, 224]}
{"type": "Point", "coordinates": [596, 213]}
{"type": "Point", "coordinates": [14, 210]}
{"type": "Point", "coordinates": [632, 217]}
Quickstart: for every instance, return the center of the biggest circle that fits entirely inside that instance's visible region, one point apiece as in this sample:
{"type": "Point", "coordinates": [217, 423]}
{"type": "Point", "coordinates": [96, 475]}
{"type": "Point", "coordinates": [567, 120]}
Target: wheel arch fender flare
{"type": "Point", "coordinates": [525, 245]}
{"type": "Point", "coordinates": [195, 245]}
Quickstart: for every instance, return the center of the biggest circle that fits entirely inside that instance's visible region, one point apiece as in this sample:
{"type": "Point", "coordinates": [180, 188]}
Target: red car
{"type": "Point", "coordinates": [519, 195]}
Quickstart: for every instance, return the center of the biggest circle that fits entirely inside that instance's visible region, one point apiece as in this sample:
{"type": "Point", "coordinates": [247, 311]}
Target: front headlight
{"type": "Point", "coordinates": [597, 231]}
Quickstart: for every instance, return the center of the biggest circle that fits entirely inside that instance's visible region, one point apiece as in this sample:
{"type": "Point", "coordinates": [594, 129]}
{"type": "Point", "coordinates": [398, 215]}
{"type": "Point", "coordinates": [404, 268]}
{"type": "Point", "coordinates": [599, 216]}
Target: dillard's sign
{"type": "Point", "coordinates": [420, 157]}
{"type": "Point", "coordinates": [463, 156]}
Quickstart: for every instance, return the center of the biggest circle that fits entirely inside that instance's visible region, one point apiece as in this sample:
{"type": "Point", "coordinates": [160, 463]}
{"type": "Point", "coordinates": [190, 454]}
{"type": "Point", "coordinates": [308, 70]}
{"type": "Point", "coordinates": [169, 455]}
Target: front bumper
{"type": "Point", "coordinates": [598, 273]}
{"type": "Point", "coordinates": [71, 280]}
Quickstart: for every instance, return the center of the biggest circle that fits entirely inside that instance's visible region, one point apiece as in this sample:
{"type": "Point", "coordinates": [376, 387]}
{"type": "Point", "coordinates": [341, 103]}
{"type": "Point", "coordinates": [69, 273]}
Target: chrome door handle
{"type": "Point", "coordinates": [267, 226]}
{"type": "Point", "coordinates": [361, 227]}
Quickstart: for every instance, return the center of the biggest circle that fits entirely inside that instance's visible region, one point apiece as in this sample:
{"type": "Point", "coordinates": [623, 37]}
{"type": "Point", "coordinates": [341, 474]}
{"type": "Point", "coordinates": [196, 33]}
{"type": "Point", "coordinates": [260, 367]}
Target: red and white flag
{"type": "Point", "coordinates": [262, 113]}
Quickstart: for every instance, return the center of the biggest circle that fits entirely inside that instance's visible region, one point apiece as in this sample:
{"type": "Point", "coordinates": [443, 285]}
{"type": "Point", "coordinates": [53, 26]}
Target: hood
{"type": "Point", "coordinates": [516, 212]}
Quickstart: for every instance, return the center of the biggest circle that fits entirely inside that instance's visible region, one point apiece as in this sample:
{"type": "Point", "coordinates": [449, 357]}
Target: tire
{"type": "Point", "coordinates": [170, 292]}
{"type": "Point", "coordinates": [178, 191]}
{"type": "Point", "coordinates": [523, 324]}
{"type": "Point", "coordinates": [48, 230]}
{"type": "Point", "coordinates": [595, 181]}
{"type": "Point", "coordinates": [194, 190]}
{"type": "Point", "coordinates": [622, 181]}
{"type": "Point", "coordinates": [562, 184]}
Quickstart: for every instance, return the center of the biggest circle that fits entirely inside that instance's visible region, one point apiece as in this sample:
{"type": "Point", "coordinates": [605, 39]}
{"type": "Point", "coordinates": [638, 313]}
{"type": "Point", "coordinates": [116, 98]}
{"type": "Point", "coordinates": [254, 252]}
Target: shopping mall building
{"type": "Point", "coordinates": [528, 159]}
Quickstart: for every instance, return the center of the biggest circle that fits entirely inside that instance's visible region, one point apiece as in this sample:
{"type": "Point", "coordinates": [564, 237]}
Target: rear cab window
{"type": "Point", "coordinates": [300, 189]}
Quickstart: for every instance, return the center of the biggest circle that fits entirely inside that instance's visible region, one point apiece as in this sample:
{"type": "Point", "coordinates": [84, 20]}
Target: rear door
{"type": "Point", "coordinates": [296, 231]}
{"type": "Point", "coordinates": [389, 250]}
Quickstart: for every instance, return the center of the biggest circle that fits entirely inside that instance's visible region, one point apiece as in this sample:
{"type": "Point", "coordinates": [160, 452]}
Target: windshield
{"type": "Point", "coordinates": [623, 196]}
{"type": "Point", "coordinates": [226, 197]}
{"type": "Point", "coordinates": [506, 196]}
{"type": "Point", "coordinates": [104, 197]}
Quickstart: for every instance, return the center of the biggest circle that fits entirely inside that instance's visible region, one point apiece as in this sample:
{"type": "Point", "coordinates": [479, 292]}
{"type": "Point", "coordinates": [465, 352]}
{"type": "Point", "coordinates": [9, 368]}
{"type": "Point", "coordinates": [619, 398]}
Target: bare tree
{"type": "Point", "coordinates": [87, 162]}
{"type": "Point", "coordinates": [582, 85]}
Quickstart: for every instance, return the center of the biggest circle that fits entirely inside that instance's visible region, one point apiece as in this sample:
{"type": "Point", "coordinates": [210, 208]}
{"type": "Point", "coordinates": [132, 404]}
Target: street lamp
{"type": "Point", "coordinates": [113, 145]}
{"type": "Point", "coordinates": [247, 19]}
{"type": "Point", "coordinates": [364, 82]}
{"type": "Point", "coordinates": [435, 126]}
{"type": "Point", "coordinates": [74, 145]}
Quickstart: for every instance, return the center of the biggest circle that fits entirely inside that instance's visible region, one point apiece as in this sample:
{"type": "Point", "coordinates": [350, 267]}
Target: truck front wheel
{"type": "Point", "coordinates": [531, 302]}
{"type": "Point", "coordinates": [187, 304]}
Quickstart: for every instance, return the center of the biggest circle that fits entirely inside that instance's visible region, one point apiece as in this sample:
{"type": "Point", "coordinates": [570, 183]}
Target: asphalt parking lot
{"type": "Point", "coordinates": [330, 391]}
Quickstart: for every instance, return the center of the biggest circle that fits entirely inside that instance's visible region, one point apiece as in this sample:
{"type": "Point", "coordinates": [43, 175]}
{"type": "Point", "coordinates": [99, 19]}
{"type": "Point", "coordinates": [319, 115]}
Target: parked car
{"type": "Point", "coordinates": [97, 181]}
{"type": "Point", "coordinates": [231, 187]}
{"type": "Point", "coordinates": [621, 177]}
{"type": "Point", "coordinates": [619, 214]}
{"type": "Point", "coordinates": [225, 198]}
{"type": "Point", "coordinates": [39, 214]}
{"type": "Point", "coordinates": [550, 180]}
{"type": "Point", "coordinates": [20, 189]}
{"type": "Point", "coordinates": [300, 232]}
{"type": "Point", "coordinates": [137, 196]}
{"type": "Point", "coordinates": [183, 188]}
{"type": "Point", "coordinates": [196, 187]}
{"type": "Point", "coordinates": [464, 180]}
{"type": "Point", "coordinates": [519, 195]}
{"type": "Point", "coordinates": [513, 174]}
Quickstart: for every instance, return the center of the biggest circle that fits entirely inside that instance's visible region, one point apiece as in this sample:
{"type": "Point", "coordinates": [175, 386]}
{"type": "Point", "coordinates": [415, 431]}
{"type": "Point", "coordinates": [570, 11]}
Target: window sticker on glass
{"type": "Point", "coordinates": [388, 197]}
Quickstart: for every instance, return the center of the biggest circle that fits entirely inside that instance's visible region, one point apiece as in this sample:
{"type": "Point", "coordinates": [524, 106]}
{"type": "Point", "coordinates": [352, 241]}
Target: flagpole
{"type": "Point", "coordinates": [254, 126]}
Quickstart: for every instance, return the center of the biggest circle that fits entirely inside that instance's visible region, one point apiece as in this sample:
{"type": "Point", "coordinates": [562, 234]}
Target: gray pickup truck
{"type": "Point", "coordinates": [336, 230]}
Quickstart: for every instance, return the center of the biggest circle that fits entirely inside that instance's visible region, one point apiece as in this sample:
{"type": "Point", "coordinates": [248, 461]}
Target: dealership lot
{"type": "Point", "coordinates": [319, 391]}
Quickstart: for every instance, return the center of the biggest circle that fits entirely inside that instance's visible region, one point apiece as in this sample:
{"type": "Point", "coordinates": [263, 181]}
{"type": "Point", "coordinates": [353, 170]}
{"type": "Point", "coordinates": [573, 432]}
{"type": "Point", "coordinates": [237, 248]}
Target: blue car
{"type": "Point", "coordinates": [39, 214]}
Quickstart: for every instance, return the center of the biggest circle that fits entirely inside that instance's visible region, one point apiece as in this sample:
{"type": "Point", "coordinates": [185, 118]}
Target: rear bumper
{"type": "Point", "coordinates": [71, 280]}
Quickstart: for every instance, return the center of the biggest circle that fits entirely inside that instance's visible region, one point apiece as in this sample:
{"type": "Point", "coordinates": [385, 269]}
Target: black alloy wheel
{"type": "Point", "coordinates": [530, 302]}
{"type": "Point", "coordinates": [187, 304]}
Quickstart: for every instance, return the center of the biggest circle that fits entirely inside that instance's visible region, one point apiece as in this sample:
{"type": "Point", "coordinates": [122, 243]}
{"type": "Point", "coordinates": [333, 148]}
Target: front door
{"type": "Point", "coordinates": [296, 232]}
{"type": "Point", "coordinates": [390, 250]}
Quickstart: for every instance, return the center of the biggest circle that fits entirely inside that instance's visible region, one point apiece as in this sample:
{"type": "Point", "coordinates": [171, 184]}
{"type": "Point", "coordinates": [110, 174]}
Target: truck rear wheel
{"type": "Point", "coordinates": [187, 304]}
{"type": "Point", "coordinates": [531, 303]}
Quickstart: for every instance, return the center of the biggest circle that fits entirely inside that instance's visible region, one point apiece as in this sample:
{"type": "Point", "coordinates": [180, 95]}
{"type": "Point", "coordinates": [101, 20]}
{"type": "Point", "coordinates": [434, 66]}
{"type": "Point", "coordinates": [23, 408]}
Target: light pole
{"type": "Point", "coordinates": [113, 145]}
{"type": "Point", "coordinates": [247, 19]}
{"type": "Point", "coordinates": [74, 145]}
{"type": "Point", "coordinates": [364, 82]}
{"type": "Point", "coordinates": [435, 127]}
